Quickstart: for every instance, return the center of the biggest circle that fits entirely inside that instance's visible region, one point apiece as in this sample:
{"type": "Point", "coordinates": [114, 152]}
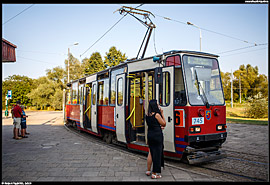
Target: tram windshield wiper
{"type": "Point", "coordinates": [204, 98]}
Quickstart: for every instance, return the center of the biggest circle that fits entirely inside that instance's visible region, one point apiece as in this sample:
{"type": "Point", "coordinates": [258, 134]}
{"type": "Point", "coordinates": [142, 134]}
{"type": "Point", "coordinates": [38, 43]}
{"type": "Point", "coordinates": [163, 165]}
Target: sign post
{"type": "Point", "coordinates": [9, 96]}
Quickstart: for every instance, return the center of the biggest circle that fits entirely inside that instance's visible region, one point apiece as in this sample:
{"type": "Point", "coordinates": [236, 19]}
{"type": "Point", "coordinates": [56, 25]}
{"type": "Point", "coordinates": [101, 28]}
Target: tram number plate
{"type": "Point", "coordinates": [198, 121]}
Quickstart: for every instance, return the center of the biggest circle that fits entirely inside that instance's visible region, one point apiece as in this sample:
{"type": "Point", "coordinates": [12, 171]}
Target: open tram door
{"type": "Point", "coordinates": [165, 97]}
{"type": "Point", "coordinates": [81, 102]}
{"type": "Point", "coordinates": [120, 107]}
{"type": "Point", "coordinates": [91, 104]}
{"type": "Point", "coordinates": [94, 107]}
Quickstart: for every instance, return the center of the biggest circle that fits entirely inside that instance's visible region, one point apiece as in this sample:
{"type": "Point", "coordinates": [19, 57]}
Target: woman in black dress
{"type": "Point", "coordinates": [156, 122]}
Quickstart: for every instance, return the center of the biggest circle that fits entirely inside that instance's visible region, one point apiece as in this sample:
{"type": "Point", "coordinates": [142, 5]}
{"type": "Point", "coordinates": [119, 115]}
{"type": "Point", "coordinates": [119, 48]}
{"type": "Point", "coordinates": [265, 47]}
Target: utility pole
{"type": "Point", "coordinates": [240, 86]}
{"type": "Point", "coordinates": [200, 33]}
{"type": "Point", "coordinates": [231, 89]}
{"type": "Point", "coordinates": [76, 43]}
{"type": "Point", "coordinates": [68, 65]}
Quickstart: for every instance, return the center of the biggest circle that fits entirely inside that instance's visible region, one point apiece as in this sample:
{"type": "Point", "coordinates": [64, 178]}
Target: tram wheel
{"type": "Point", "coordinates": [108, 138]}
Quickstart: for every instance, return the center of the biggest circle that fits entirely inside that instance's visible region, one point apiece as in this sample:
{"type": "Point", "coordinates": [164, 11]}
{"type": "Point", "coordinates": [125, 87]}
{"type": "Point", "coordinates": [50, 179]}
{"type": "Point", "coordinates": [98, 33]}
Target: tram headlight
{"type": "Point", "coordinates": [195, 129]}
{"type": "Point", "coordinates": [221, 127]}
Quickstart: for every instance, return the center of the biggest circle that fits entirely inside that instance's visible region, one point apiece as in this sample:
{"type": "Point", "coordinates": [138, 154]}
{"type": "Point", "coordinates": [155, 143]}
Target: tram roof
{"type": "Point", "coordinates": [174, 52]}
{"type": "Point", "coordinates": [190, 52]}
{"type": "Point", "coordinates": [134, 60]}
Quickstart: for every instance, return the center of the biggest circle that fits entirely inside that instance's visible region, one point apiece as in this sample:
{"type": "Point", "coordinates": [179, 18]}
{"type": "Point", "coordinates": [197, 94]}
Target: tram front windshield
{"type": "Point", "coordinates": [203, 80]}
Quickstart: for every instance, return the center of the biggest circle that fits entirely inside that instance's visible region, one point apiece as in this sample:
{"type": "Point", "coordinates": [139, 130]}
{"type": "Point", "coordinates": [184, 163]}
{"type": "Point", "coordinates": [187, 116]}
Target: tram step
{"type": "Point", "coordinates": [140, 137]}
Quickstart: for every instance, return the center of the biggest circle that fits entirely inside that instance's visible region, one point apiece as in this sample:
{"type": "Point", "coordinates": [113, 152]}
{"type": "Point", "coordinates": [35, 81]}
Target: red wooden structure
{"type": "Point", "coordinates": [8, 51]}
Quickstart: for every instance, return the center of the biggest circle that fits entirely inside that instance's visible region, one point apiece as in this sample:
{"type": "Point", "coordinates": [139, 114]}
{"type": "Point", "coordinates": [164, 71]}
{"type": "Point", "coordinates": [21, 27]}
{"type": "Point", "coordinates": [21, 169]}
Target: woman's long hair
{"type": "Point", "coordinates": [153, 107]}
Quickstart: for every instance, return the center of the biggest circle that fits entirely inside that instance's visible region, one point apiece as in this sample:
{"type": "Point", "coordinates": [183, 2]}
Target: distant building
{"type": "Point", "coordinates": [8, 51]}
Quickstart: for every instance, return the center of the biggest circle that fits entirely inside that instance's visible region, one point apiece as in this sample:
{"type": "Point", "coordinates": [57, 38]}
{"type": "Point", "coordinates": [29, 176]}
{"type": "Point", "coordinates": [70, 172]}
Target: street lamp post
{"type": "Point", "coordinates": [231, 89]}
{"type": "Point", "coordinates": [76, 43]}
{"type": "Point", "coordinates": [200, 33]}
{"type": "Point", "coordinates": [240, 86]}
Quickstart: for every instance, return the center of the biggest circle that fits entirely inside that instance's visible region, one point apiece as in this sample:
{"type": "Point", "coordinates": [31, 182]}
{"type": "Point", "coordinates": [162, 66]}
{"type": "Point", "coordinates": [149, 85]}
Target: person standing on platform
{"type": "Point", "coordinates": [23, 123]}
{"type": "Point", "coordinates": [156, 122]}
{"type": "Point", "coordinates": [17, 112]}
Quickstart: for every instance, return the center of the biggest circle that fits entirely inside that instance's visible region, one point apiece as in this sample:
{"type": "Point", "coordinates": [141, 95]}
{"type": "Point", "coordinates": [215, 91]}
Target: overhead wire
{"type": "Point", "coordinates": [35, 60]}
{"type": "Point", "coordinates": [42, 52]}
{"type": "Point", "coordinates": [106, 32]}
{"type": "Point", "coordinates": [244, 52]}
{"type": "Point", "coordinates": [170, 19]}
{"type": "Point", "coordinates": [253, 43]}
{"type": "Point", "coordinates": [103, 35]}
{"type": "Point", "coordinates": [242, 48]}
{"type": "Point", "coordinates": [18, 14]}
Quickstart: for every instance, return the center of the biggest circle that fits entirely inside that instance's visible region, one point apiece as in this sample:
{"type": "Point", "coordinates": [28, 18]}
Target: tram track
{"type": "Point", "coordinates": [231, 168]}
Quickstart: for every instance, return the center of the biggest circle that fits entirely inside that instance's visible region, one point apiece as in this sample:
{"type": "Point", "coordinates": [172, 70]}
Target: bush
{"type": "Point", "coordinates": [257, 107]}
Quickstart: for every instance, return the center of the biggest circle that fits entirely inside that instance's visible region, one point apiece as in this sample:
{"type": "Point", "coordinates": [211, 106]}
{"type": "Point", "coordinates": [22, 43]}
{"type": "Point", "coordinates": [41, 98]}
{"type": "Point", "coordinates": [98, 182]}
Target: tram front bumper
{"type": "Point", "coordinates": [200, 156]}
{"type": "Point", "coordinates": [207, 137]}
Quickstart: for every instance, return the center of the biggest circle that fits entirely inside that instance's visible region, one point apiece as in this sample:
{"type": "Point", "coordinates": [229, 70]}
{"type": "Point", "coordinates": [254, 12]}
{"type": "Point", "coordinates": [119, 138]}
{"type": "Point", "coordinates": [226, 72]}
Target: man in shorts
{"type": "Point", "coordinates": [17, 112]}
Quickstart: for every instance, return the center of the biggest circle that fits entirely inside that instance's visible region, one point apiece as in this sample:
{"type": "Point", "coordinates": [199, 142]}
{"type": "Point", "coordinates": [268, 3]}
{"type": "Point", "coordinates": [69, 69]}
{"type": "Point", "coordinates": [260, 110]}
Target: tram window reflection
{"type": "Point", "coordinates": [120, 92]}
{"type": "Point", "coordinates": [164, 90]}
{"type": "Point", "coordinates": [103, 92]}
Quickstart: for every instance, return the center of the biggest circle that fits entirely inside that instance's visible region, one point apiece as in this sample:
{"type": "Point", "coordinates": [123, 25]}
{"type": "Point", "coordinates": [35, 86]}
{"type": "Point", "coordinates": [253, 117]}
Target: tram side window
{"type": "Point", "coordinates": [103, 92]}
{"type": "Point", "coordinates": [120, 92]}
{"type": "Point", "coordinates": [74, 92]}
{"type": "Point", "coordinates": [113, 84]}
{"type": "Point", "coordinates": [80, 98]}
{"type": "Point", "coordinates": [94, 94]}
{"type": "Point", "coordinates": [68, 98]}
{"type": "Point", "coordinates": [164, 90]}
{"type": "Point", "coordinates": [179, 89]}
{"type": "Point", "coordinates": [173, 61]}
{"type": "Point", "coordinates": [137, 87]}
{"type": "Point", "coordinates": [150, 87]}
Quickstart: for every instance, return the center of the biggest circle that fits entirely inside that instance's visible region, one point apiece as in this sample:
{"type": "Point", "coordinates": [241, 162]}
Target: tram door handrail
{"type": "Point", "coordinates": [132, 76]}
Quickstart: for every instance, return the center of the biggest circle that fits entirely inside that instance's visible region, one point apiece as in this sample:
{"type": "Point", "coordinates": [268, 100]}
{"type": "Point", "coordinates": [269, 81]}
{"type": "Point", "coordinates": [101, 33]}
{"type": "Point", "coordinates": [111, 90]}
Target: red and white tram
{"type": "Point", "coordinates": [112, 104]}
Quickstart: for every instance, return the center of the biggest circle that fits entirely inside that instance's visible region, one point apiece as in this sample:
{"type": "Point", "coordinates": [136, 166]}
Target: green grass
{"type": "Point", "coordinates": [247, 121]}
{"type": "Point", "coordinates": [237, 115]}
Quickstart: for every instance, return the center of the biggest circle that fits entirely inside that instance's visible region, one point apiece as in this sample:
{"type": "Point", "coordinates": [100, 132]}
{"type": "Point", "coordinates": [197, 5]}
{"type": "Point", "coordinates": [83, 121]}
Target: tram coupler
{"type": "Point", "coordinates": [201, 156]}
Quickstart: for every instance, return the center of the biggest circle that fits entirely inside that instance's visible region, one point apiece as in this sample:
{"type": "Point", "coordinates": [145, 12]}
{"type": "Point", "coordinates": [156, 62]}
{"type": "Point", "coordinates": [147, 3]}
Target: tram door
{"type": "Point", "coordinates": [81, 95]}
{"type": "Point", "coordinates": [94, 107]}
{"type": "Point", "coordinates": [120, 105]}
{"type": "Point", "coordinates": [165, 97]}
{"type": "Point", "coordinates": [87, 109]}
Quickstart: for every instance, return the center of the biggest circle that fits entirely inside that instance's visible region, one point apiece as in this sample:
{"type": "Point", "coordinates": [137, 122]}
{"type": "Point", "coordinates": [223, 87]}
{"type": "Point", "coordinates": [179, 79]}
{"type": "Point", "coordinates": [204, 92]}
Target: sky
{"type": "Point", "coordinates": [44, 32]}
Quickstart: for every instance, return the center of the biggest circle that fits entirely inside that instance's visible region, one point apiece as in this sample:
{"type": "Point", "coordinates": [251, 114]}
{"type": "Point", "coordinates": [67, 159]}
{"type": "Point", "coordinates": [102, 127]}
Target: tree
{"type": "Point", "coordinates": [57, 75]}
{"type": "Point", "coordinates": [40, 95]}
{"type": "Point", "coordinates": [251, 82]}
{"type": "Point", "coordinates": [257, 107]}
{"type": "Point", "coordinates": [20, 86]}
{"type": "Point", "coordinates": [261, 85]}
{"type": "Point", "coordinates": [56, 99]}
{"type": "Point", "coordinates": [226, 83]}
{"type": "Point", "coordinates": [75, 69]}
{"type": "Point", "coordinates": [48, 93]}
{"type": "Point", "coordinates": [93, 64]}
{"type": "Point", "coordinates": [114, 57]}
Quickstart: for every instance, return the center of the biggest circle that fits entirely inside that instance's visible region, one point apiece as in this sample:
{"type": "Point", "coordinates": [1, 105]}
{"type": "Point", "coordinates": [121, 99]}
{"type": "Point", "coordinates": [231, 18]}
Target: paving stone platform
{"type": "Point", "coordinates": [53, 153]}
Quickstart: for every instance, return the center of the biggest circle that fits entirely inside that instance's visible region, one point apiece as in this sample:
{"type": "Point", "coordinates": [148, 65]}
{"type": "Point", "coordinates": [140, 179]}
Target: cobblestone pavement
{"type": "Point", "coordinates": [52, 153]}
{"type": "Point", "coordinates": [250, 139]}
